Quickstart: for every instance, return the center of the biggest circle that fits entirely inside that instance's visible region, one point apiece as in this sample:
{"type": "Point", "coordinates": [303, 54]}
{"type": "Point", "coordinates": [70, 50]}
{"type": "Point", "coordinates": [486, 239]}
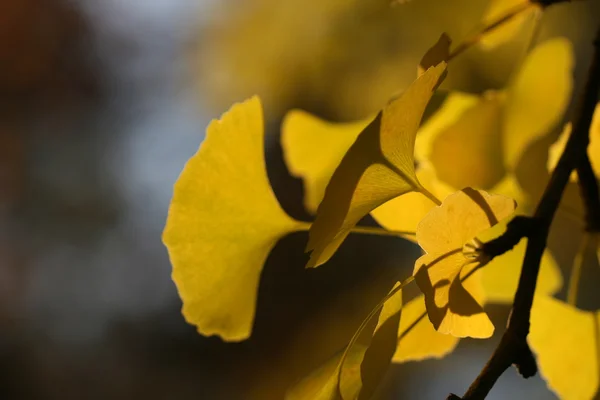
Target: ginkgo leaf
{"type": "Point", "coordinates": [417, 338]}
{"type": "Point", "coordinates": [509, 29]}
{"type": "Point", "coordinates": [467, 153]}
{"type": "Point", "coordinates": [538, 96]}
{"type": "Point", "coordinates": [403, 214]}
{"type": "Point", "coordinates": [382, 346]}
{"type": "Point", "coordinates": [443, 234]}
{"type": "Point", "coordinates": [378, 167]}
{"type": "Point", "coordinates": [451, 110]}
{"type": "Point", "coordinates": [474, 141]}
{"type": "Point", "coordinates": [222, 223]}
{"type": "Point", "coordinates": [557, 148]}
{"type": "Point", "coordinates": [313, 148]}
{"type": "Point", "coordinates": [500, 277]}
{"type": "Point", "coordinates": [566, 343]}
{"type": "Point", "coordinates": [355, 372]}
{"type": "Point", "coordinates": [323, 383]}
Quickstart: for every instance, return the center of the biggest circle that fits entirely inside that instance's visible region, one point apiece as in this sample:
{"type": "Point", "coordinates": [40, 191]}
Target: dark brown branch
{"type": "Point", "coordinates": [513, 347]}
{"type": "Point", "coordinates": [588, 187]}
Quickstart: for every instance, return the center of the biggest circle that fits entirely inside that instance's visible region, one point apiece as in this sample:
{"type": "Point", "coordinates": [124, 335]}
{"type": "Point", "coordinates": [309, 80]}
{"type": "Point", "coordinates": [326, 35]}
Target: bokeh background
{"type": "Point", "coordinates": [102, 102]}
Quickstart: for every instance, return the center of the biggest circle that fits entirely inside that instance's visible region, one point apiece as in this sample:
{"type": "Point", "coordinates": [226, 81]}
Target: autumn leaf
{"type": "Point", "coordinates": [378, 167]}
{"type": "Point", "coordinates": [557, 148]}
{"type": "Point", "coordinates": [473, 141]}
{"type": "Point", "coordinates": [500, 277]}
{"type": "Point", "coordinates": [223, 221]}
{"type": "Point", "coordinates": [417, 338]}
{"type": "Point", "coordinates": [443, 234]}
{"type": "Point", "coordinates": [403, 213]}
{"type": "Point", "coordinates": [313, 148]}
{"type": "Point", "coordinates": [497, 10]}
{"type": "Point", "coordinates": [355, 372]}
{"type": "Point", "coordinates": [565, 341]}
{"type": "Point", "coordinates": [476, 142]}
{"type": "Point", "coordinates": [538, 96]}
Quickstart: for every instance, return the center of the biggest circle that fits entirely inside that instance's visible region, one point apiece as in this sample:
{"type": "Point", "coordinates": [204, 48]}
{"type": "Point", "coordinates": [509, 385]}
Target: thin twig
{"type": "Point", "coordinates": [513, 347]}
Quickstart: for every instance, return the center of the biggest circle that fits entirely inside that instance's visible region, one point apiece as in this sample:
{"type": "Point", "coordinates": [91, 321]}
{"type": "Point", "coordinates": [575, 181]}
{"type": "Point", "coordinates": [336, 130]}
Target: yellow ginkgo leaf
{"type": "Point", "coordinates": [556, 149]}
{"type": "Point", "coordinates": [403, 214]}
{"type": "Point", "coordinates": [222, 223]}
{"type": "Point", "coordinates": [355, 372]}
{"type": "Point", "coordinates": [508, 30]}
{"type": "Point", "coordinates": [538, 96]}
{"type": "Point", "coordinates": [566, 343]}
{"type": "Point", "coordinates": [378, 167]}
{"type": "Point", "coordinates": [455, 104]}
{"type": "Point", "coordinates": [500, 277]}
{"type": "Point", "coordinates": [468, 152]}
{"type": "Point", "coordinates": [444, 234]}
{"type": "Point", "coordinates": [324, 383]}
{"type": "Point", "coordinates": [313, 148]}
{"type": "Point", "coordinates": [417, 338]}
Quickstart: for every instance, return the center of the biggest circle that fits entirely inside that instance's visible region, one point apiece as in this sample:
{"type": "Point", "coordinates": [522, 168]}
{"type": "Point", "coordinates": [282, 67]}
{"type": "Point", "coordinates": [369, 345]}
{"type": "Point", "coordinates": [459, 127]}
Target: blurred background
{"type": "Point", "coordinates": [102, 102]}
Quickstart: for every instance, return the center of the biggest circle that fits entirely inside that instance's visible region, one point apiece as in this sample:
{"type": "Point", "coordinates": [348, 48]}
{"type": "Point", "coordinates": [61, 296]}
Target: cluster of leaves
{"type": "Point", "coordinates": [430, 183]}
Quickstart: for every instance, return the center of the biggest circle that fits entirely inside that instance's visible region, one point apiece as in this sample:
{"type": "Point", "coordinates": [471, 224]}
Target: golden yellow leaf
{"type": "Point", "coordinates": [443, 234]}
{"type": "Point", "coordinates": [222, 223]}
{"type": "Point", "coordinates": [378, 167]}
{"type": "Point", "coordinates": [313, 148]}
{"type": "Point", "coordinates": [417, 338]}
{"type": "Point", "coordinates": [538, 96]}
{"type": "Point", "coordinates": [382, 346]}
{"type": "Point", "coordinates": [404, 213]}
{"type": "Point", "coordinates": [355, 372]}
{"type": "Point", "coordinates": [468, 152]}
{"type": "Point", "coordinates": [507, 30]}
{"type": "Point", "coordinates": [500, 277]}
{"type": "Point", "coordinates": [451, 110]}
{"type": "Point", "coordinates": [594, 147]}
{"type": "Point", "coordinates": [323, 383]}
{"type": "Point", "coordinates": [557, 148]}
{"type": "Point", "coordinates": [566, 343]}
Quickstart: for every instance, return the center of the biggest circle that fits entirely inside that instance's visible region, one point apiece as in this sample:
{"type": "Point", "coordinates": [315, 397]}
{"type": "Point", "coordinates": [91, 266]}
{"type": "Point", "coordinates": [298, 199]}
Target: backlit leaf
{"type": "Point", "coordinates": [500, 277]}
{"type": "Point", "coordinates": [355, 372]}
{"type": "Point", "coordinates": [378, 167]}
{"type": "Point", "coordinates": [417, 338]}
{"type": "Point", "coordinates": [566, 343]}
{"type": "Point", "coordinates": [468, 152]}
{"type": "Point", "coordinates": [404, 213]}
{"type": "Point", "coordinates": [443, 234]}
{"type": "Point", "coordinates": [593, 150]}
{"type": "Point", "coordinates": [509, 29]}
{"type": "Point", "coordinates": [382, 347]}
{"type": "Point", "coordinates": [313, 148]}
{"type": "Point", "coordinates": [538, 97]}
{"type": "Point", "coordinates": [451, 110]}
{"type": "Point", "coordinates": [323, 383]}
{"type": "Point", "coordinates": [222, 223]}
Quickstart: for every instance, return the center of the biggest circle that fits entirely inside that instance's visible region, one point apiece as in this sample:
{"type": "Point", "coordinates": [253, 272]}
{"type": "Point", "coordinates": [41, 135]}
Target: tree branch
{"type": "Point", "coordinates": [513, 347]}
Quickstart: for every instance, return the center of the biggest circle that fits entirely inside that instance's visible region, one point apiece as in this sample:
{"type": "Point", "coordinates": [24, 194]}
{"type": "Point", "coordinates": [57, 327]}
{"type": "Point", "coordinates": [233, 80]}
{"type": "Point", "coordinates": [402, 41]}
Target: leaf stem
{"type": "Point", "coordinates": [373, 230]}
{"type": "Point", "coordinates": [576, 270]}
{"type": "Point", "coordinates": [365, 230]}
{"type": "Point", "coordinates": [430, 196]}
